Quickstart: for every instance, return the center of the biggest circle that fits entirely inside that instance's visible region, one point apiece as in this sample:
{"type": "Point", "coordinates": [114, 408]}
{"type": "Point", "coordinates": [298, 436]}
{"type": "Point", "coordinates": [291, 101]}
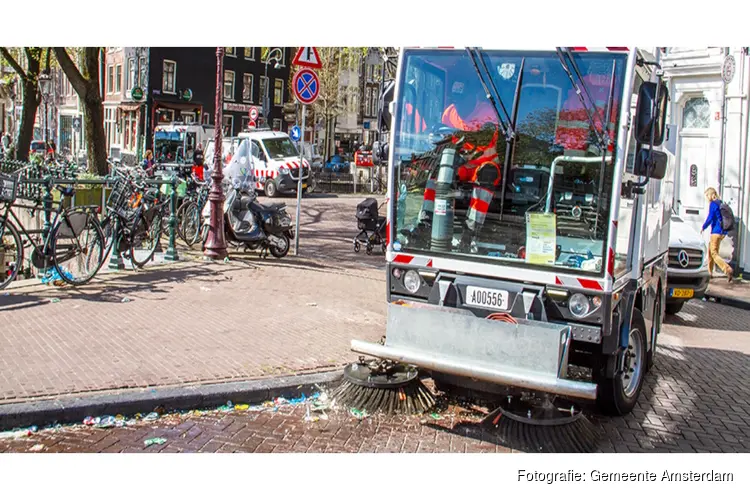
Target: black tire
{"type": "Point", "coordinates": [357, 246]}
{"type": "Point", "coordinates": [181, 220]}
{"type": "Point", "coordinates": [368, 249]}
{"type": "Point", "coordinates": [143, 233]}
{"type": "Point", "coordinates": [269, 188]}
{"type": "Point", "coordinates": [613, 396]}
{"type": "Point", "coordinates": [10, 243]}
{"type": "Point", "coordinates": [91, 247]}
{"type": "Point", "coordinates": [191, 225]}
{"type": "Point", "coordinates": [674, 307]}
{"type": "Point", "coordinates": [279, 253]}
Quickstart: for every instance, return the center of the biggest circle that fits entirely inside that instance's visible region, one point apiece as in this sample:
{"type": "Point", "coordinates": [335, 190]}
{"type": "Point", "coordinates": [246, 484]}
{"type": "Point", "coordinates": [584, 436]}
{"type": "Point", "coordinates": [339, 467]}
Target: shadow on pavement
{"type": "Point", "coordinates": [695, 314]}
{"type": "Point", "coordinates": [112, 288]}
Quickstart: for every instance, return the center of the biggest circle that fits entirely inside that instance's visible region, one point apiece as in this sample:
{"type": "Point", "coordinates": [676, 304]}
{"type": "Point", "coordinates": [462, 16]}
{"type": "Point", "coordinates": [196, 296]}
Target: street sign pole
{"type": "Point", "coordinates": [299, 182]}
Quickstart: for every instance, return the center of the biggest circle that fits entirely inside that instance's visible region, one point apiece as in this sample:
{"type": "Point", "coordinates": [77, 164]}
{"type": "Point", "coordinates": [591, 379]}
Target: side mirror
{"type": "Point", "coordinates": [658, 167]}
{"type": "Point", "coordinates": [648, 117]}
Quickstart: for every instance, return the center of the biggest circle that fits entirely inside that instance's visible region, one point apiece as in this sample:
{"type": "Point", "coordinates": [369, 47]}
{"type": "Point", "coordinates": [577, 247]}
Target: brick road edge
{"type": "Point", "coordinates": [75, 409]}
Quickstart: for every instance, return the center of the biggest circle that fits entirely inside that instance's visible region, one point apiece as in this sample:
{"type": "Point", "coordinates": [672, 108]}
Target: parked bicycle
{"type": "Point", "coordinates": [135, 212]}
{"type": "Point", "coordinates": [73, 245]}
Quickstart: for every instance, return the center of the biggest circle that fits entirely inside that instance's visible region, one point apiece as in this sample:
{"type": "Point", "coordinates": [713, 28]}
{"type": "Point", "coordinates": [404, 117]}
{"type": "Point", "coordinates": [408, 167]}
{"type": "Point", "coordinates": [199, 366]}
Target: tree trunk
{"type": "Point", "coordinates": [30, 103]}
{"type": "Point", "coordinates": [93, 126]}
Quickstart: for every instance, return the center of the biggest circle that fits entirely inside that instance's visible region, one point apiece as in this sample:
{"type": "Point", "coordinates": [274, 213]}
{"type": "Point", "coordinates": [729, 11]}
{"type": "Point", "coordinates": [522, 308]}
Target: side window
{"type": "Point", "coordinates": [255, 149]}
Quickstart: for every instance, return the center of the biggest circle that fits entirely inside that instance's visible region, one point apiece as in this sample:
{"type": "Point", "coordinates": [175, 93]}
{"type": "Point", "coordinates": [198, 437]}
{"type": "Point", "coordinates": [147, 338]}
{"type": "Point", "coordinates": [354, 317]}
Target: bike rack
{"type": "Point", "coordinates": [65, 176]}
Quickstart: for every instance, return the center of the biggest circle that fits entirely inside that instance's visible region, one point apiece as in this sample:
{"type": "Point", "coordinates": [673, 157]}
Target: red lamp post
{"type": "Point", "coordinates": [216, 245]}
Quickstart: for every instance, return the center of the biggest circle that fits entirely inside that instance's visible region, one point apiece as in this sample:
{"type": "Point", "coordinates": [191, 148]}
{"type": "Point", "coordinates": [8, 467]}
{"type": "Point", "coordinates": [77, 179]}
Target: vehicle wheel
{"type": "Point", "coordinates": [618, 395]}
{"type": "Point", "coordinates": [144, 240]}
{"type": "Point", "coordinates": [269, 188]}
{"type": "Point", "coordinates": [368, 249]}
{"type": "Point", "coordinates": [11, 252]}
{"type": "Point", "coordinates": [280, 252]}
{"type": "Point", "coordinates": [191, 225]}
{"type": "Point", "coordinates": [357, 246]}
{"type": "Point", "coordinates": [674, 307]}
{"type": "Point", "coordinates": [655, 328]}
{"type": "Point", "coordinates": [77, 258]}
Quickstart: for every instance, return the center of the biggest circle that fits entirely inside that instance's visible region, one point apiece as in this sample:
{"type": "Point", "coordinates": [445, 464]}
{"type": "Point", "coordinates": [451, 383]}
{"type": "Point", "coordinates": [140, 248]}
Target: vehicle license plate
{"type": "Point", "coordinates": [682, 293]}
{"type": "Point", "coordinates": [487, 297]}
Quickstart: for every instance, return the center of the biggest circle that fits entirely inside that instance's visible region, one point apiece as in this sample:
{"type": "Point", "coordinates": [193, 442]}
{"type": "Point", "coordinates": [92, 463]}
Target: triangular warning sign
{"type": "Point", "coordinates": [308, 57]}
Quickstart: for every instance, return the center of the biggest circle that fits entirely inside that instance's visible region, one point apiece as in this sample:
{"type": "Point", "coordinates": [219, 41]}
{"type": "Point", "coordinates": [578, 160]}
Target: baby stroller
{"type": "Point", "coordinates": [371, 225]}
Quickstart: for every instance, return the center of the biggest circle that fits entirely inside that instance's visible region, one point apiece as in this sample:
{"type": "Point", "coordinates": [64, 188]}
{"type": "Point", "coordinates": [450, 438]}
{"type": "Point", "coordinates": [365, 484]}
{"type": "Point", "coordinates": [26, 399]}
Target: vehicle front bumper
{"type": "Point", "coordinates": [287, 184]}
{"type": "Point", "coordinates": [697, 282]}
{"type": "Point", "coordinates": [532, 355]}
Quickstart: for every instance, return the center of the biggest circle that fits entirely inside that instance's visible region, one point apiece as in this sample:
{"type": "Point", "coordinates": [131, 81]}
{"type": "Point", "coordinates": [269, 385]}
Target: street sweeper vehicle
{"type": "Point", "coordinates": [529, 201]}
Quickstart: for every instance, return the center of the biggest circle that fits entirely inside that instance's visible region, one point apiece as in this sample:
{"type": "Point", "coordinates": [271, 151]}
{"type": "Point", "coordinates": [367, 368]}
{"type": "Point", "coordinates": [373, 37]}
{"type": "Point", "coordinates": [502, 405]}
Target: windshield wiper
{"type": "Point", "coordinates": [506, 128]}
{"type": "Point", "coordinates": [580, 89]}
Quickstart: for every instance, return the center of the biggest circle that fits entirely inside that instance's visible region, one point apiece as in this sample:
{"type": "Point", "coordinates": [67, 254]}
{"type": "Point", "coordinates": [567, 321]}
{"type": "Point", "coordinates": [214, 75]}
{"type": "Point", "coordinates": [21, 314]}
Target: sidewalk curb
{"type": "Point", "coordinates": [728, 301]}
{"type": "Point", "coordinates": [75, 409]}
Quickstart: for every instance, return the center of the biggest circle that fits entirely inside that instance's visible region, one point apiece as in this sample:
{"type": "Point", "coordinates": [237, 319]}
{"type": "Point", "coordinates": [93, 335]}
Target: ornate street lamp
{"type": "Point", "coordinates": [45, 88]}
{"type": "Point", "coordinates": [266, 103]}
{"type": "Point", "coordinates": [216, 245]}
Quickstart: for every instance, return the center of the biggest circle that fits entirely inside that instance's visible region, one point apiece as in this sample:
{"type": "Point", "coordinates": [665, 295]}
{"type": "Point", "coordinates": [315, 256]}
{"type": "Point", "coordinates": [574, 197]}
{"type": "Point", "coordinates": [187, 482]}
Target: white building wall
{"type": "Point", "coordinates": [722, 147]}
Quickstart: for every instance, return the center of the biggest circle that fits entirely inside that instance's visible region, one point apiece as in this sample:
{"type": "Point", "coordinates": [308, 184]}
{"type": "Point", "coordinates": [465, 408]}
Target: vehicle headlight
{"type": "Point", "coordinates": [284, 170]}
{"type": "Point", "coordinates": [412, 281]}
{"type": "Point", "coordinates": [579, 305]}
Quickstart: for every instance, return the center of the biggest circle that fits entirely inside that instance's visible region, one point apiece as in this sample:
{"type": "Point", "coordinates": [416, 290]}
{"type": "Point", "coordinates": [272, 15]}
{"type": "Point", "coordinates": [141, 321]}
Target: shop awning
{"type": "Point", "coordinates": [179, 106]}
{"type": "Point", "coordinates": [134, 106]}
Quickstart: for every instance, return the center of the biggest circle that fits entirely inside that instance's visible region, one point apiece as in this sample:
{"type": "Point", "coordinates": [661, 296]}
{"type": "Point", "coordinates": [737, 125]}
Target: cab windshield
{"type": "Point", "coordinates": [280, 147]}
{"type": "Point", "coordinates": [168, 146]}
{"type": "Point", "coordinates": [547, 204]}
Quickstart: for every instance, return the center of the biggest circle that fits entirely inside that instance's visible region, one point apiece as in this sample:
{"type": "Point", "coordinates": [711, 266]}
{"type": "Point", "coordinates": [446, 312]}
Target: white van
{"type": "Point", "coordinates": [277, 162]}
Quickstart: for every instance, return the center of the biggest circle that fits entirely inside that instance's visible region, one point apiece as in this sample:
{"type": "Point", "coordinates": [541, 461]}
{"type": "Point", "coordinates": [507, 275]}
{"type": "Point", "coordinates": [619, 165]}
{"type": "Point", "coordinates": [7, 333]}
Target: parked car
{"type": "Point", "coordinates": [38, 147]}
{"type": "Point", "coordinates": [338, 164]}
{"type": "Point", "coordinates": [687, 270]}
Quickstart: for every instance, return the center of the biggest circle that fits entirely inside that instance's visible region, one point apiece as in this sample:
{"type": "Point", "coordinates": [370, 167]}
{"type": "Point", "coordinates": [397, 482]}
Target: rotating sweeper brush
{"type": "Point", "coordinates": [542, 424]}
{"type": "Point", "coordinates": [383, 386]}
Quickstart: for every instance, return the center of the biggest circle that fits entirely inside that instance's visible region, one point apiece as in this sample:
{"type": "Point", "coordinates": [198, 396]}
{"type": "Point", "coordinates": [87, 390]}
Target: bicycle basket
{"type": "Point", "coordinates": [119, 196]}
{"type": "Point", "coordinates": [74, 226]}
{"type": "Point", "coordinates": [7, 188]}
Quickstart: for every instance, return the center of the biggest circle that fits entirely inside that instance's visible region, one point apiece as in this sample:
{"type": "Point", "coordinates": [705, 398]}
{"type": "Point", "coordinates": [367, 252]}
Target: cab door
{"type": "Point", "coordinates": [262, 173]}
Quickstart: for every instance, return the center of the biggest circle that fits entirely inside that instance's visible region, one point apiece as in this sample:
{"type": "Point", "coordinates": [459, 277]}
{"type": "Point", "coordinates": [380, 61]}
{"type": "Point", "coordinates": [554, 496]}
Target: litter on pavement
{"type": "Point", "coordinates": [153, 441]}
{"type": "Point", "coordinates": [19, 433]}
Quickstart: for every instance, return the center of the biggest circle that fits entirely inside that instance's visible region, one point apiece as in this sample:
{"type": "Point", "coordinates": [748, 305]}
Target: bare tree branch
{"type": "Point", "coordinates": [13, 64]}
{"type": "Point", "coordinates": [77, 81]}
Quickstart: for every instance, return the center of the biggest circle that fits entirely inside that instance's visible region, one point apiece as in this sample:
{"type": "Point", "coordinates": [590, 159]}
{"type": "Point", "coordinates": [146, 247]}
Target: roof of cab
{"type": "Point", "coordinates": [261, 134]}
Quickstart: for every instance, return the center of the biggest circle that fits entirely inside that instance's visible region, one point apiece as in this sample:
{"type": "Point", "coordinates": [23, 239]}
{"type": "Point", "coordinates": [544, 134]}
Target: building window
{"type": "Point", "coordinates": [231, 51]}
{"type": "Point", "coordinates": [131, 74]}
{"type": "Point", "coordinates": [228, 121]}
{"type": "Point", "coordinates": [263, 87]}
{"type": "Point", "coordinates": [118, 78]}
{"type": "Point", "coordinates": [277, 124]}
{"type": "Point", "coordinates": [229, 85]}
{"type": "Point", "coordinates": [165, 115]}
{"type": "Point", "coordinates": [169, 77]}
{"type": "Point", "coordinates": [206, 119]}
{"type": "Point", "coordinates": [278, 92]}
{"type": "Point", "coordinates": [188, 117]}
{"type": "Point", "coordinates": [245, 122]}
{"type": "Point", "coordinates": [697, 113]}
{"type": "Point", "coordinates": [110, 79]}
{"type": "Point", "coordinates": [142, 68]}
{"type": "Point", "coordinates": [250, 53]}
{"type": "Point", "coordinates": [247, 87]}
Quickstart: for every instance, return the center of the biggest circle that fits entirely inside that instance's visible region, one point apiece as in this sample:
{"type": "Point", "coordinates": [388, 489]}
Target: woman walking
{"type": "Point", "coordinates": [717, 234]}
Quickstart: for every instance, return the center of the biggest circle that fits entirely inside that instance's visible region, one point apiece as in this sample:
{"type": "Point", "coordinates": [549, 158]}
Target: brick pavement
{"type": "Point", "coordinates": [198, 322]}
{"type": "Point", "coordinates": [696, 400]}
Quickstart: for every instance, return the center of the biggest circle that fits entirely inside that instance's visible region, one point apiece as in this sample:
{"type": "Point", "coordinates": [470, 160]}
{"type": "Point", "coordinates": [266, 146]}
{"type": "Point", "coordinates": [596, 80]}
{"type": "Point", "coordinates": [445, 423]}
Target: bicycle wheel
{"type": "Point", "coordinates": [11, 254]}
{"type": "Point", "coordinates": [145, 237]}
{"type": "Point", "coordinates": [181, 220]}
{"type": "Point", "coordinates": [77, 247]}
{"type": "Point", "coordinates": [191, 225]}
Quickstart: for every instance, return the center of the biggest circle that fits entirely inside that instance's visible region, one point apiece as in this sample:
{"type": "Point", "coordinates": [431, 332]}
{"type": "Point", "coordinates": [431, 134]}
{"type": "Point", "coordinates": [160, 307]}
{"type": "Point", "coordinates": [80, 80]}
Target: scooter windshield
{"type": "Point", "coordinates": [240, 172]}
